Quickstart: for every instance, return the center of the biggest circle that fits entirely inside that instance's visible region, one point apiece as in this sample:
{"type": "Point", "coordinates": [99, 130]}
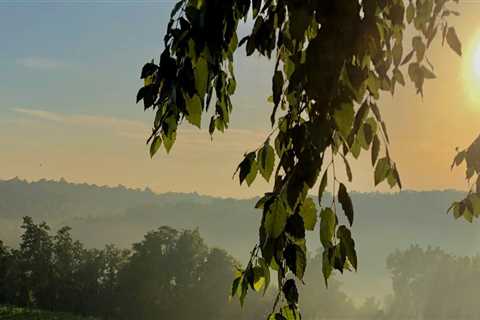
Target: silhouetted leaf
{"type": "Point", "coordinates": [155, 145]}
{"type": "Point", "coordinates": [453, 42]}
{"type": "Point", "coordinates": [381, 170]}
{"type": "Point", "coordinates": [346, 202]}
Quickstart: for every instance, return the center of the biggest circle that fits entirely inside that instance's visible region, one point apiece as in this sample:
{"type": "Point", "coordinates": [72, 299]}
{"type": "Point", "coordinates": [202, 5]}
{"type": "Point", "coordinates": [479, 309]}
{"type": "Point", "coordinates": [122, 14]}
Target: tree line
{"type": "Point", "coordinates": [169, 273]}
{"type": "Point", "coordinates": [173, 273]}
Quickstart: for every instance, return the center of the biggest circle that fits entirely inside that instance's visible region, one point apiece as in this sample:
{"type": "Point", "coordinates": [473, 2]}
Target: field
{"type": "Point", "coordinates": [13, 313]}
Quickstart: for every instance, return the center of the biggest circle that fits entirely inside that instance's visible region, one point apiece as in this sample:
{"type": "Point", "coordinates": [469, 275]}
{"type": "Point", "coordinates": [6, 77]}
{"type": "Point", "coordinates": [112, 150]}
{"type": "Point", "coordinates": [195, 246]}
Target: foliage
{"type": "Point", "coordinates": [469, 207]}
{"type": "Point", "coordinates": [333, 60]}
{"type": "Point", "coordinates": [432, 284]}
{"type": "Point", "coordinates": [14, 313]}
{"type": "Point", "coordinates": [160, 277]}
{"type": "Point", "coordinates": [57, 273]}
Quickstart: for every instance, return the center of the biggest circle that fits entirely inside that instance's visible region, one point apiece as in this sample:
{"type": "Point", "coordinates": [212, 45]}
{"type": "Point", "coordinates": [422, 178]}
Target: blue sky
{"type": "Point", "coordinates": [69, 73]}
{"type": "Point", "coordinates": [79, 56]}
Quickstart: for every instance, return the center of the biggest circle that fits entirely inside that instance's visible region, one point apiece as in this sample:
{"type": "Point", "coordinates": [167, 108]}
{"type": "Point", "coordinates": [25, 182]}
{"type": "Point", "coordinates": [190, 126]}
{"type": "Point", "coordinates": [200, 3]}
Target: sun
{"type": "Point", "coordinates": [471, 72]}
{"type": "Point", "coordinates": [476, 62]}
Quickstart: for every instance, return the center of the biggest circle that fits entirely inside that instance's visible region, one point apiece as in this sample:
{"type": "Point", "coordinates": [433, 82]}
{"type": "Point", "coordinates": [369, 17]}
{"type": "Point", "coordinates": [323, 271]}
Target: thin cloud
{"type": "Point", "coordinates": [137, 130]}
{"type": "Point", "coordinates": [41, 63]}
{"type": "Point", "coordinates": [122, 127]}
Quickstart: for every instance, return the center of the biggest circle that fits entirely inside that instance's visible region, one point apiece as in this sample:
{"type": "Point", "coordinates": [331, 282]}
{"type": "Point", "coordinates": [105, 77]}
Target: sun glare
{"type": "Point", "coordinates": [472, 70]}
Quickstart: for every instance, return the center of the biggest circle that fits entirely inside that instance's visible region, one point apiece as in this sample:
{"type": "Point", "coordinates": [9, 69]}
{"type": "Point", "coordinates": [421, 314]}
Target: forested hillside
{"type": "Point", "coordinates": [103, 215]}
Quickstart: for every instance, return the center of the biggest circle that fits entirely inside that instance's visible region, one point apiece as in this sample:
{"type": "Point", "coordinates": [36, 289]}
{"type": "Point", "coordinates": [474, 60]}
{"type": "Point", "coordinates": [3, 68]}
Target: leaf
{"type": "Point", "coordinates": [308, 211]}
{"type": "Point", "coordinates": [398, 76]}
{"type": "Point", "coordinates": [458, 159]}
{"type": "Point", "coordinates": [427, 73]}
{"type": "Point", "coordinates": [453, 41]}
{"type": "Point", "coordinates": [295, 226]}
{"type": "Point", "coordinates": [258, 278]}
{"type": "Point", "coordinates": [381, 170]}
{"type": "Point", "coordinates": [348, 244]}
{"type": "Point", "coordinates": [194, 108]}
{"type": "Point", "coordinates": [397, 52]}
{"type": "Point", "coordinates": [375, 149]}
{"type": "Point", "coordinates": [275, 218]}
{"type": "Point", "coordinates": [326, 266]}
{"type": "Point", "coordinates": [252, 174]}
{"type": "Point", "coordinates": [148, 69]}
{"type": "Point", "coordinates": [169, 140]}
{"type": "Point", "coordinates": [408, 57]}
{"type": "Point", "coordinates": [277, 86]}
{"type": "Point", "coordinates": [235, 285]}
{"type": "Point", "coordinates": [246, 166]}
{"type": "Point", "coordinates": [155, 145]}
{"type": "Point", "coordinates": [410, 13]}
{"type": "Point", "coordinates": [323, 185]}
{"type": "Point", "coordinates": [256, 7]}
{"type": "Point", "coordinates": [201, 76]}
{"type": "Point", "coordinates": [346, 202]}
{"type": "Point", "coordinates": [296, 259]}
{"type": "Point", "coordinates": [348, 170]}
{"type": "Point", "coordinates": [266, 273]}
{"type": "Point", "coordinates": [266, 158]}
{"type": "Point", "coordinates": [290, 291]}
{"type": "Point", "coordinates": [419, 46]}
{"type": "Point", "coordinates": [344, 118]}
{"type": "Point", "coordinates": [328, 222]}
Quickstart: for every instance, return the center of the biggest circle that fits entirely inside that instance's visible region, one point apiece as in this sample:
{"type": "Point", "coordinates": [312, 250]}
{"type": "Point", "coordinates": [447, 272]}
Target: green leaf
{"type": "Point", "coordinates": [246, 167]}
{"type": "Point", "coordinates": [328, 221]}
{"type": "Point", "coordinates": [252, 174]}
{"type": "Point", "coordinates": [326, 266]}
{"type": "Point", "coordinates": [419, 46]}
{"type": "Point", "coordinates": [194, 108]}
{"type": "Point", "coordinates": [277, 86]}
{"type": "Point", "coordinates": [308, 211]}
{"type": "Point", "coordinates": [348, 170]}
{"type": "Point", "coordinates": [344, 118]}
{"type": "Point", "coordinates": [266, 273]}
{"type": "Point", "coordinates": [275, 218]}
{"type": "Point", "coordinates": [427, 74]}
{"type": "Point", "coordinates": [258, 278]}
{"type": "Point", "coordinates": [323, 185]}
{"type": "Point", "coordinates": [155, 145]}
{"type": "Point", "coordinates": [235, 285]}
{"type": "Point", "coordinates": [169, 140]}
{"type": "Point", "coordinates": [381, 170]}
{"type": "Point", "coordinates": [296, 259]}
{"type": "Point", "coordinates": [453, 41]}
{"type": "Point", "coordinates": [266, 158]}
{"type": "Point", "coordinates": [397, 52]}
{"type": "Point", "coordinates": [289, 313]}
{"type": "Point", "coordinates": [398, 76]}
{"type": "Point", "coordinates": [290, 292]}
{"type": "Point", "coordinates": [201, 76]}
{"type": "Point", "coordinates": [410, 13]}
{"type": "Point", "coordinates": [375, 149]}
{"type": "Point", "coordinates": [348, 244]}
{"type": "Point", "coordinates": [346, 202]}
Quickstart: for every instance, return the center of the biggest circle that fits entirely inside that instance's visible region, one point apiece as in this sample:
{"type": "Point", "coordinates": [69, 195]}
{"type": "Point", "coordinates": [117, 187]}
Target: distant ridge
{"type": "Point", "coordinates": [100, 215]}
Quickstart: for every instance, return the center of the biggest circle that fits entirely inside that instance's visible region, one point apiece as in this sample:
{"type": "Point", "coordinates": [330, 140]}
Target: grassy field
{"type": "Point", "coordinates": [13, 313]}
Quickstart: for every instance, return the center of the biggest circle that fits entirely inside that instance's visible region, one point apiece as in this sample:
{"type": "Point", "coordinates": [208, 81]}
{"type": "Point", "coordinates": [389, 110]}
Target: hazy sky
{"type": "Point", "coordinates": [69, 72]}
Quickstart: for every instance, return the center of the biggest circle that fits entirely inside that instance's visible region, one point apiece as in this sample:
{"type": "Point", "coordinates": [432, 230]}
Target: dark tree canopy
{"type": "Point", "coordinates": [333, 61]}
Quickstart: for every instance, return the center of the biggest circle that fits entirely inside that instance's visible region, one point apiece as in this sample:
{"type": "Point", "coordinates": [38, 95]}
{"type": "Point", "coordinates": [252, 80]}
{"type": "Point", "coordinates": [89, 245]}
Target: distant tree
{"type": "Point", "coordinates": [333, 61]}
{"type": "Point", "coordinates": [36, 267]}
{"type": "Point", "coordinates": [173, 274]}
{"type": "Point", "coordinates": [67, 258]}
{"type": "Point", "coordinates": [431, 284]}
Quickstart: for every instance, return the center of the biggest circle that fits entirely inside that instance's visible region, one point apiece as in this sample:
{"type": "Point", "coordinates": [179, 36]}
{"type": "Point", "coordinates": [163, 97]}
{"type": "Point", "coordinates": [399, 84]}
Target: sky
{"type": "Point", "coordinates": [69, 73]}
